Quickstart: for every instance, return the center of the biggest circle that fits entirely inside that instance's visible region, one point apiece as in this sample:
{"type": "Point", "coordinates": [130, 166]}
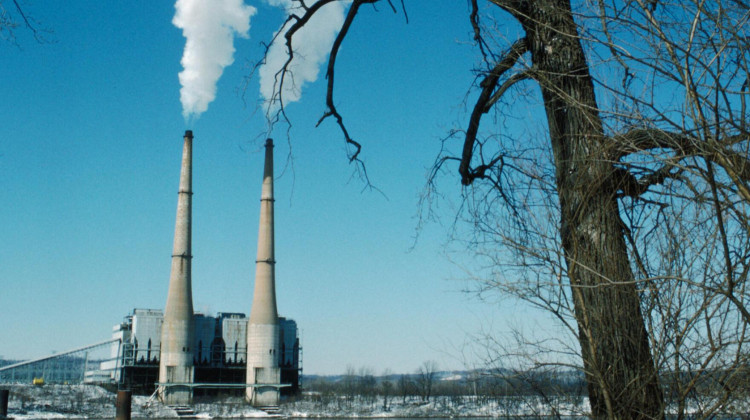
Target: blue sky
{"type": "Point", "coordinates": [89, 164]}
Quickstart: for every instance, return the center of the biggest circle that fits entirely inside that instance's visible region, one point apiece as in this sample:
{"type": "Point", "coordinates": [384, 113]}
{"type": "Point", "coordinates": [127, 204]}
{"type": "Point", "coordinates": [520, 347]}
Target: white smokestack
{"type": "Point", "coordinates": [263, 348]}
{"type": "Point", "coordinates": [177, 331]}
{"type": "Point", "coordinates": [311, 45]}
{"type": "Point", "coordinates": [209, 27]}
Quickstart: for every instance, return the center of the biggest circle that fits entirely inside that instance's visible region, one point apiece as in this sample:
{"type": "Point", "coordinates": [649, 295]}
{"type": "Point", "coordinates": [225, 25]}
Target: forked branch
{"type": "Point", "coordinates": [485, 100]}
{"type": "Point", "coordinates": [719, 151]}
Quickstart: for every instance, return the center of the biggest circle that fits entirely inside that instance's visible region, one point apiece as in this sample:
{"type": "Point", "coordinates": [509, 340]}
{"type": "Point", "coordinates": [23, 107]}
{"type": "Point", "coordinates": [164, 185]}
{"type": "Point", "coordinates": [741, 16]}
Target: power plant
{"type": "Point", "coordinates": [180, 327]}
{"type": "Point", "coordinates": [176, 363]}
{"type": "Point", "coordinates": [177, 353]}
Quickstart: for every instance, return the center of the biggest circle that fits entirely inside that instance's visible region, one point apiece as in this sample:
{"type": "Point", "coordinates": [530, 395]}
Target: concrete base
{"type": "Point", "coordinates": [263, 364]}
{"type": "Point", "coordinates": [261, 396]}
{"type": "Point", "coordinates": [264, 397]}
{"type": "Point", "coordinates": [177, 395]}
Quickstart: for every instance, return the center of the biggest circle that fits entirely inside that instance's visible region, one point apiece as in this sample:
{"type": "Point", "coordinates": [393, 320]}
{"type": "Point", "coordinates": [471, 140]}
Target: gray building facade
{"type": "Point", "coordinates": [220, 351]}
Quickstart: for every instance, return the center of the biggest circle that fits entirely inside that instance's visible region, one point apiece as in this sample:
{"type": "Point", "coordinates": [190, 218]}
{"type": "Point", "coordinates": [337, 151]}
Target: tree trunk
{"type": "Point", "coordinates": [622, 379]}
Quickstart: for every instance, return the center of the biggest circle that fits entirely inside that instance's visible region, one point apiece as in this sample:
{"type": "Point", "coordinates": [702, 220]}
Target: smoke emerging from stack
{"type": "Point", "coordinates": [209, 27]}
{"type": "Point", "coordinates": [311, 46]}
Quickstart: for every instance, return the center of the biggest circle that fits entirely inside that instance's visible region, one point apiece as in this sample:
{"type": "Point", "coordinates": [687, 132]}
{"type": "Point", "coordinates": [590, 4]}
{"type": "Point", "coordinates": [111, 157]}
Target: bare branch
{"type": "Point", "coordinates": [488, 85]}
{"type": "Point", "coordinates": [330, 75]}
{"type": "Point", "coordinates": [630, 186]}
{"type": "Point", "coordinates": [512, 80]}
{"type": "Point", "coordinates": [8, 24]}
{"type": "Point", "coordinates": [474, 18]}
{"type": "Point", "coordinates": [29, 26]}
{"type": "Point", "coordinates": [638, 140]}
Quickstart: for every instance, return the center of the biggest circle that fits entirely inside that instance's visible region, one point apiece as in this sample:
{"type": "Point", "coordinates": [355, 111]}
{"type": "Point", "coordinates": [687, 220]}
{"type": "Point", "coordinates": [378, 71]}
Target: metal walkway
{"type": "Point", "coordinates": [66, 367]}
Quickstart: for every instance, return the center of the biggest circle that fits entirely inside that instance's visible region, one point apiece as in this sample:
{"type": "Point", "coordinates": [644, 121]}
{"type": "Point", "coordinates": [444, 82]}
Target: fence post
{"type": "Point", "coordinates": [4, 393]}
{"type": "Point", "coordinates": [123, 405]}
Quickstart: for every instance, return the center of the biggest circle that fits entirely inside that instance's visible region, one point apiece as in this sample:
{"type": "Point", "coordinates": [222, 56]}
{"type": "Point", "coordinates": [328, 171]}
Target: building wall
{"type": "Point", "coordinates": [234, 335]}
{"type": "Point", "coordinates": [205, 332]}
{"type": "Point", "coordinates": [111, 366]}
{"type": "Point", "coordinates": [223, 349]}
{"type": "Point", "coordinates": [146, 334]}
{"type": "Point", "coordinates": [288, 356]}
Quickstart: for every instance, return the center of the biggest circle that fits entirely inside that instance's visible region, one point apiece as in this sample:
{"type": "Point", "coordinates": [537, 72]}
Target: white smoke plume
{"type": "Point", "coordinates": [209, 27]}
{"type": "Point", "coordinates": [311, 46]}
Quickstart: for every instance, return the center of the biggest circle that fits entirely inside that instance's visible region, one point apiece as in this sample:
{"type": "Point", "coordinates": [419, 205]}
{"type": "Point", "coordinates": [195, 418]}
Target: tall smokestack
{"type": "Point", "coordinates": [176, 360]}
{"type": "Point", "coordinates": [263, 372]}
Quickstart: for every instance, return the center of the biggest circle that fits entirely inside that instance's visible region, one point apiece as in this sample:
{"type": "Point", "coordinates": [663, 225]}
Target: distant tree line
{"type": "Point", "coordinates": [362, 388]}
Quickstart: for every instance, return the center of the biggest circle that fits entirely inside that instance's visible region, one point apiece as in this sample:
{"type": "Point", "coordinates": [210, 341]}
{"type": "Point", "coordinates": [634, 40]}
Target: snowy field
{"type": "Point", "coordinates": [92, 402]}
{"type": "Point", "coordinates": [437, 407]}
{"type": "Point", "coordinates": [29, 402]}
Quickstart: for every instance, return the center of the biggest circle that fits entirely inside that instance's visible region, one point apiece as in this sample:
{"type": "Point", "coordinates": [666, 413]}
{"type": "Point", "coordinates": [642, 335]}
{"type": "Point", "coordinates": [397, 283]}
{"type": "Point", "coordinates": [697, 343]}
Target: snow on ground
{"type": "Point", "coordinates": [28, 402]}
{"type": "Point", "coordinates": [459, 406]}
{"type": "Point", "coordinates": [59, 401]}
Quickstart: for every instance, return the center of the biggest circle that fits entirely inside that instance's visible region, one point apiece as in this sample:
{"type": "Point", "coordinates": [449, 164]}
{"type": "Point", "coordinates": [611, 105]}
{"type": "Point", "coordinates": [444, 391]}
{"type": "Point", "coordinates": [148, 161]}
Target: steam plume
{"type": "Point", "coordinates": [209, 27]}
{"type": "Point", "coordinates": [311, 45]}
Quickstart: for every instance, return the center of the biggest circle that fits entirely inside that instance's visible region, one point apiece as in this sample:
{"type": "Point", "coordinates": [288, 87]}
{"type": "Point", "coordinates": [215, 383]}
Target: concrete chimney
{"type": "Point", "coordinates": [176, 359]}
{"type": "Point", "coordinates": [263, 373]}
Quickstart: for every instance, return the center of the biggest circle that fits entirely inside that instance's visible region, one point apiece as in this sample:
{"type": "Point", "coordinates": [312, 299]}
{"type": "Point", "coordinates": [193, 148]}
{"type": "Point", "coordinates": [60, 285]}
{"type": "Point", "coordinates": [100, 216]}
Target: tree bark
{"type": "Point", "coordinates": [622, 379]}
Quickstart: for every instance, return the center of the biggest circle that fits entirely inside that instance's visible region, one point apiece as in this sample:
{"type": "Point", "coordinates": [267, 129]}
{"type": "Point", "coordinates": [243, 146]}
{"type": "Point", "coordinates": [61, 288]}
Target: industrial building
{"type": "Point", "coordinates": [220, 352]}
{"type": "Point", "coordinates": [177, 352]}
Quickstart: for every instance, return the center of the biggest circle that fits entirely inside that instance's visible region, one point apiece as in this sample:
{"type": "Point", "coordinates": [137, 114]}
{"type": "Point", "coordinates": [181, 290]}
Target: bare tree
{"type": "Point", "coordinates": [404, 387]}
{"type": "Point", "coordinates": [682, 202]}
{"type": "Point", "coordinates": [366, 385]}
{"type": "Point", "coordinates": [386, 386]}
{"type": "Point", "coordinates": [425, 378]}
{"type": "Point", "coordinates": [627, 219]}
{"type": "Point", "coordinates": [350, 384]}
